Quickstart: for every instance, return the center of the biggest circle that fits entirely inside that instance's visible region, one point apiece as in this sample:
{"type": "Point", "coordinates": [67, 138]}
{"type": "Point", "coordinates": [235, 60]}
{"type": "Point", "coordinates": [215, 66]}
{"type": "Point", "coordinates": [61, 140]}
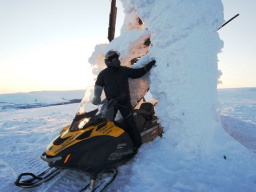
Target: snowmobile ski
{"type": "Point", "coordinates": [36, 180]}
{"type": "Point", "coordinates": [102, 183]}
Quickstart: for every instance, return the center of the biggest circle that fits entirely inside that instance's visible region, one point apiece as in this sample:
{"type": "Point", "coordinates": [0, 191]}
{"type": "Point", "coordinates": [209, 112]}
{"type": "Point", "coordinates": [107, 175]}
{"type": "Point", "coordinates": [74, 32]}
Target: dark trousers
{"type": "Point", "coordinates": [126, 111]}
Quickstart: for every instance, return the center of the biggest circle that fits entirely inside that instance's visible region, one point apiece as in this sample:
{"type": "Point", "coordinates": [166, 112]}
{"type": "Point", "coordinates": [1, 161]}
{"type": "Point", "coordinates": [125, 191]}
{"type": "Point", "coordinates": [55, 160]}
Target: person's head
{"type": "Point", "coordinates": [111, 58]}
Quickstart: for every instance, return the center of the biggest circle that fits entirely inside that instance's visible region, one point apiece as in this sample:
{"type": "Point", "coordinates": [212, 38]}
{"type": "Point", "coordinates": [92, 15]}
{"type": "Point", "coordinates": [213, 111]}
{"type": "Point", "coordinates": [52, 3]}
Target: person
{"type": "Point", "coordinates": [114, 81]}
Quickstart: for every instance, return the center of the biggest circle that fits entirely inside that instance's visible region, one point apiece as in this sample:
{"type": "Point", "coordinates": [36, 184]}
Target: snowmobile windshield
{"type": "Point", "coordinates": [87, 113]}
{"type": "Point", "coordinates": [86, 105]}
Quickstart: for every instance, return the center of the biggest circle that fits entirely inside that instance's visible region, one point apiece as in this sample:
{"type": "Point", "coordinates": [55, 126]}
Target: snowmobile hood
{"type": "Point", "coordinates": [88, 122]}
{"type": "Point", "coordinates": [68, 138]}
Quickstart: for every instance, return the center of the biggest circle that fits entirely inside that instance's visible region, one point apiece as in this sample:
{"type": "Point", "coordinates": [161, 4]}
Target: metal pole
{"type": "Point", "coordinates": [228, 21]}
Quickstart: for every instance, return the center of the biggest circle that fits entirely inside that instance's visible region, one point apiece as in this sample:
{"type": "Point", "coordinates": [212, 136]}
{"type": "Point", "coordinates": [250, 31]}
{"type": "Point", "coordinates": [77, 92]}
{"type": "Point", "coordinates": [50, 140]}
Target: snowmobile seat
{"type": "Point", "coordinates": [146, 110]}
{"type": "Point", "coordinates": [141, 116]}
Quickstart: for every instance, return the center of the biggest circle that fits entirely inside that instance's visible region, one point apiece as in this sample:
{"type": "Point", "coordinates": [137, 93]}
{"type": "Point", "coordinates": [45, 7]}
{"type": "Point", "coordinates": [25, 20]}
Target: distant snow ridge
{"type": "Point", "coordinates": [39, 99]}
{"type": "Point", "coordinates": [195, 154]}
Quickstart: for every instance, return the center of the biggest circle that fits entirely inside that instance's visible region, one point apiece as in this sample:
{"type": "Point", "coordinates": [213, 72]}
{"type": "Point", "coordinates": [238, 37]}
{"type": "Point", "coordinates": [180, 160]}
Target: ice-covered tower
{"type": "Point", "coordinates": [185, 44]}
{"type": "Point", "coordinates": [189, 52]}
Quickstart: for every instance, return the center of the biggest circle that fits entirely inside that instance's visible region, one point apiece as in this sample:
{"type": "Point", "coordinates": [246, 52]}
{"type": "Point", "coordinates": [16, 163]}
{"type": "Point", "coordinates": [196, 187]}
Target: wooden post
{"type": "Point", "coordinates": [112, 21]}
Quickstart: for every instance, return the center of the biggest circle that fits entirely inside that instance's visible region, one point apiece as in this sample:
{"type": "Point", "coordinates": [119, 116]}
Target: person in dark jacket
{"type": "Point", "coordinates": [114, 81]}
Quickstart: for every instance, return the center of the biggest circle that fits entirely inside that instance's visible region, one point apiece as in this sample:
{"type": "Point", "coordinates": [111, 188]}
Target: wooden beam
{"type": "Point", "coordinates": [112, 21]}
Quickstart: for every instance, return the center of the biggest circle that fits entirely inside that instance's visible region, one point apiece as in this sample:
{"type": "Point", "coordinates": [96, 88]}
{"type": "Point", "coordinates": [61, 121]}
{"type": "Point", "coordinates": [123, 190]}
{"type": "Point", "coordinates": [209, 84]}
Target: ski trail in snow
{"type": "Point", "coordinates": [7, 173]}
{"type": "Point", "coordinates": [24, 136]}
{"type": "Point", "coordinates": [242, 131]}
{"type": "Point", "coordinates": [66, 181]}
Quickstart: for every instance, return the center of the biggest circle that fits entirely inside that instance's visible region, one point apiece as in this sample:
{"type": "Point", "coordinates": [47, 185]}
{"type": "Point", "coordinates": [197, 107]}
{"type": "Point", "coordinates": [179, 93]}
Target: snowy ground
{"type": "Point", "coordinates": [238, 108]}
{"type": "Point", "coordinates": [24, 134]}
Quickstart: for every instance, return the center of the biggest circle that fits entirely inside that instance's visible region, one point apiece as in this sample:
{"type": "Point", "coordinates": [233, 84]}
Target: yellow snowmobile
{"type": "Point", "coordinates": [93, 143]}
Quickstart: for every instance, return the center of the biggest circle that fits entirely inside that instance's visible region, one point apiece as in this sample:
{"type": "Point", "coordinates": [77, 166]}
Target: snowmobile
{"type": "Point", "coordinates": [94, 143]}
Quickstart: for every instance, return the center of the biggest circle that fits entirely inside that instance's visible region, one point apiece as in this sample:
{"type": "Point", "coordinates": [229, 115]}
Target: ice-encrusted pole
{"type": "Point", "coordinates": [185, 45]}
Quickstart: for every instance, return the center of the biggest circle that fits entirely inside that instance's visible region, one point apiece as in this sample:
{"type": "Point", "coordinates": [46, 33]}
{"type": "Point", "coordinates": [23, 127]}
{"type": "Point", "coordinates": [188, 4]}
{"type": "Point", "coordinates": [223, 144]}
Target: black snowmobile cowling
{"type": "Point", "coordinates": [98, 145]}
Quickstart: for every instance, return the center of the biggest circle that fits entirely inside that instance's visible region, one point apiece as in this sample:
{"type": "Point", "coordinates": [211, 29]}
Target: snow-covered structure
{"type": "Point", "coordinates": [185, 43]}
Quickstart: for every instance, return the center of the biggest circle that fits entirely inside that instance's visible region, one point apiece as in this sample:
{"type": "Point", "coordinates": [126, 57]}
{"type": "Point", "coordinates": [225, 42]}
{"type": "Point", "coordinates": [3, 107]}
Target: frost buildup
{"type": "Point", "coordinates": [184, 41]}
{"type": "Point", "coordinates": [185, 45]}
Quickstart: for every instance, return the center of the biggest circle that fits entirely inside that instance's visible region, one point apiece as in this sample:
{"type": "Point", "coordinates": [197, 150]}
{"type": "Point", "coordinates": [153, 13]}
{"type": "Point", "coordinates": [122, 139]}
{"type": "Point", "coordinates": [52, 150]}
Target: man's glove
{"type": "Point", "coordinates": [150, 65]}
{"type": "Point", "coordinates": [96, 100]}
{"type": "Point", "coordinates": [97, 94]}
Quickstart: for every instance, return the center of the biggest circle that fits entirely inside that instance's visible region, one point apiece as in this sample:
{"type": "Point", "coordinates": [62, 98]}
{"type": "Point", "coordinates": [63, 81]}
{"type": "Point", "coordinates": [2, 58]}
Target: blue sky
{"type": "Point", "coordinates": [238, 58]}
{"type": "Point", "coordinates": [45, 44]}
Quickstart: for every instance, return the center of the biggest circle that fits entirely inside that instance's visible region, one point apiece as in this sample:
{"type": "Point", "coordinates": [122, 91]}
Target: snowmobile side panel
{"type": "Point", "coordinates": [68, 138]}
{"type": "Point", "coordinates": [95, 154]}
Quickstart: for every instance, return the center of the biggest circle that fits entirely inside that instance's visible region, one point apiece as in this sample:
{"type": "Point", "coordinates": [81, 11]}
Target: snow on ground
{"type": "Point", "coordinates": [239, 110]}
{"type": "Point", "coordinates": [25, 133]}
{"type": "Point", "coordinates": [239, 103]}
